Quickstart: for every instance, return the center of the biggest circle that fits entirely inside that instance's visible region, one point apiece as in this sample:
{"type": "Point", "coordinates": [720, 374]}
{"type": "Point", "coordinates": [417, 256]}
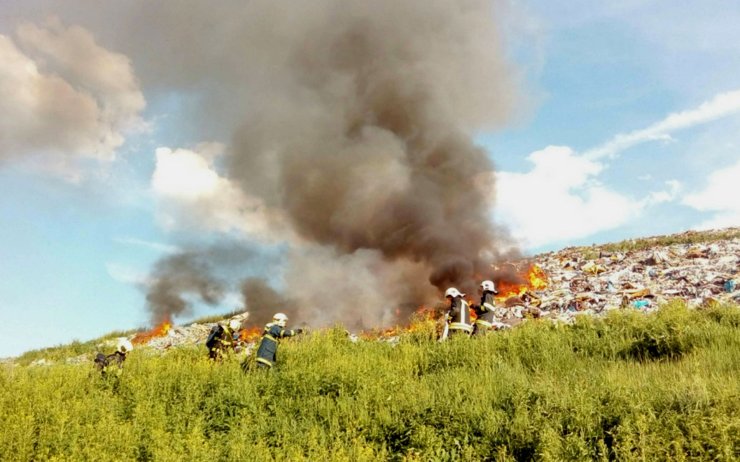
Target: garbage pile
{"type": "Point", "coordinates": [594, 281]}
{"type": "Point", "coordinates": [579, 281]}
{"type": "Point", "coordinates": [193, 334]}
{"type": "Point", "coordinates": [590, 281]}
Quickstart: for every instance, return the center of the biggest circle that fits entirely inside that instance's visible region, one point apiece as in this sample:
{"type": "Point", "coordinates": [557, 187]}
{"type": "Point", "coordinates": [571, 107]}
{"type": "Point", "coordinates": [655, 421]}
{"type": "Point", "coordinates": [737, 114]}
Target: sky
{"type": "Point", "coordinates": [623, 121]}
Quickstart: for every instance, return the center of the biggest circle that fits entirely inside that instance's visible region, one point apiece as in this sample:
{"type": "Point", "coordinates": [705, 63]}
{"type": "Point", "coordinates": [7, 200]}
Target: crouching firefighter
{"type": "Point", "coordinates": [275, 330]}
{"type": "Point", "coordinates": [105, 363]}
{"type": "Point", "coordinates": [485, 312]}
{"type": "Point", "coordinates": [458, 317]}
{"type": "Point", "coordinates": [221, 339]}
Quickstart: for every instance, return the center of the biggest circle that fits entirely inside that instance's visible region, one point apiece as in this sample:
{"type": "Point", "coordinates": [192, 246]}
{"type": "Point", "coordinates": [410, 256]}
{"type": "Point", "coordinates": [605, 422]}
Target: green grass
{"type": "Point", "coordinates": [76, 348]}
{"type": "Point", "coordinates": [627, 387]}
{"type": "Point", "coordinates": [89, 347]}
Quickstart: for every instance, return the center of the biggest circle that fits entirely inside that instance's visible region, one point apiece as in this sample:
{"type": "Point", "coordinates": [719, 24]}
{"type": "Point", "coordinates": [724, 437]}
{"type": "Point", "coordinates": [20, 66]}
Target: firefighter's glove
{"type": "Point", "coordinates": [299, 331]}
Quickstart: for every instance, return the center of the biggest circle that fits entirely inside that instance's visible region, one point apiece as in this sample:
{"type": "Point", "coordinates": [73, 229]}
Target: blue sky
{"type": "Point", "coordinates": [628, 125]}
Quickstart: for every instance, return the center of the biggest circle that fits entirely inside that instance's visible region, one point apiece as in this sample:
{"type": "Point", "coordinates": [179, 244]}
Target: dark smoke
{"type": "Point", "coordinates": [262, 301]}
{"type": "Point", "coordinates": [354, 121]}
{"type": "Point", "coordinates": [205, 273]}
{"type": "Point", "coordinates": [363, 133]}
{"type": "Point", "coordinates": [179, 275]}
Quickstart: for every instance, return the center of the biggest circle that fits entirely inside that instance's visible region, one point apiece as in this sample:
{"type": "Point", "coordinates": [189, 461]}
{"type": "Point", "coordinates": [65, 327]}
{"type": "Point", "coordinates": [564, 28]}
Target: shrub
{"type": "Point", "coordinates": [626, 387]}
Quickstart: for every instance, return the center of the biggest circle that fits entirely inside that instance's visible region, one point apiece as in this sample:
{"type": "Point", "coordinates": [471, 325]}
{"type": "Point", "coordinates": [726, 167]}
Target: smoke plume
{"type": "Point", "coordinates": [176, 276]}
{"type": "Point", "coordinates": [202, 274]}
{"type": "Point", "coordinates": [353, 121]}
{"type": "Point", "coordinates": [262, 301]}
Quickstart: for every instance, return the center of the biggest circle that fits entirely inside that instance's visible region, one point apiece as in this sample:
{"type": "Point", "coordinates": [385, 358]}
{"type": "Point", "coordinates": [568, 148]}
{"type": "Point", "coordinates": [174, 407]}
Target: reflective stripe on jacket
{"type": "Point", "coordinates": [485, 312]}
{"type": "Point", "coordinates": [267, 351]}
{"type": "Point", "coordinates": [460, 315]}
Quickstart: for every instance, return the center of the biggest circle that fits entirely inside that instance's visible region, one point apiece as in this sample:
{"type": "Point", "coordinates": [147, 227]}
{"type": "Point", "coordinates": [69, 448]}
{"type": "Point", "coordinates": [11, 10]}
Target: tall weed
{"type": "Point", "coordinates": [626, 387]}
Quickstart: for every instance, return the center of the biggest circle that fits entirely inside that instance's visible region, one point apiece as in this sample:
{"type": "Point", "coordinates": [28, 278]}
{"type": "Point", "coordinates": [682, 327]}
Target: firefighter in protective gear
{"type": "Point", "coordinates": [485, 311]}
{"type": "Point", "coordinates": [124, 346]}
{"type": "Point", "coordinates": [275, 330]}
{"type": "Point", "coordinates": [235, 325]}
{"type": "Point", "coordinates": [105, 363]}
{"type": "Point", "coordinates": [459, 315]}
{"type": "Point", "coordinates": [221, 339]}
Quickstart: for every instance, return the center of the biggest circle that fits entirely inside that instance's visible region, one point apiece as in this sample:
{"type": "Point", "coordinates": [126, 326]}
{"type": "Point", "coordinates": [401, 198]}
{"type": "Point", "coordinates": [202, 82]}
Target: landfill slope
{"type": "Point", "coordinates": [697, 267]}
{"type": "Point", "coordinates": [595, 280]}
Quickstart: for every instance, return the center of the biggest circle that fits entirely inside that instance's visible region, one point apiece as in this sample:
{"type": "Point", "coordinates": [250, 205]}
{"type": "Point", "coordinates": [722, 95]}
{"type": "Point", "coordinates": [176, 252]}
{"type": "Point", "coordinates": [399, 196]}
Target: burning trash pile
{"type": "Point", "coordinates": [558, 286]}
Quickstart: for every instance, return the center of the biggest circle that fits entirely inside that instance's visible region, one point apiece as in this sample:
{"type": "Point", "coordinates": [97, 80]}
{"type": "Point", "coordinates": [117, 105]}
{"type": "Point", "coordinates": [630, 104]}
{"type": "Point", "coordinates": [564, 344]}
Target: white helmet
{"type": "Point", "coordinates": [124, 346]}
{"type": "Point", "coordinates": [235, 325]}
{"type": "Point", "coordinates": [488, 286]}
{"type": "Point", "coordinates": [280, 318]}
{"type": "Point", "coordinates": [453, 292]}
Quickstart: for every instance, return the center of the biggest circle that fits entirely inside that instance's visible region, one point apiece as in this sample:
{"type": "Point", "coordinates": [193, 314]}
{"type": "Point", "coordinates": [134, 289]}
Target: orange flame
{"type": "Point", "coordinates": [421, 316]}
{"type": "Point", "coordinates": [534, 279]}
{"type": "Point", "coordinates": [250, 334]}
{"type": "Point", "coordinates": [158, 331]}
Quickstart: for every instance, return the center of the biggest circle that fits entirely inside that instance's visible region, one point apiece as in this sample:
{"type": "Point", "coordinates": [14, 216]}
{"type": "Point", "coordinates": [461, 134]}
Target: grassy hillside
{"type": "Point", "coordinates": [626, 387]}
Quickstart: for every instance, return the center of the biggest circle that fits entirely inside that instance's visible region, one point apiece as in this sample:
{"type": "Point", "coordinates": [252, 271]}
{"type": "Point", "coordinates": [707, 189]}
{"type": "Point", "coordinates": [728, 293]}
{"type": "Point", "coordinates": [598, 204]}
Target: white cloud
{"type": "Point", "coordinates": [660, 197]}
{"type": "Point", "coordinates": [64, 98]}
{"type": "Point", "coordinates": [721, 197]}
{"type": "Point", "coordinates": [722, 105]}
{"type": "Point", "coordinates": [192, 194]}
{"type": "Point", "coordinates": [155, 246]}
{"type": "Point", "coordinates": [127, 275]}
{"type": "Point", "coordinates": [559, 199]}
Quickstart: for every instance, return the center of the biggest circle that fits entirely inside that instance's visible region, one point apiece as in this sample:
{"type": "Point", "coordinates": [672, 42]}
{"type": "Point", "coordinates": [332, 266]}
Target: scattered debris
{"type": "Point", "coordinates": [575, 281]}
{"type": "Point", "coordinates": [642, 279]}
{"type": "Point", "coordinates": [559, 286]}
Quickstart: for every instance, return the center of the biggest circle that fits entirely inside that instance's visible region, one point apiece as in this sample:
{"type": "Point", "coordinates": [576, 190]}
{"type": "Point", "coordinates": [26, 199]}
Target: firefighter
{"type": "Point", "coordinates": [486, 310]}
{"type": "Point", "coordinates": [221, 339]}
{"type": "Point", "coordinates": [275, 330]}
{"type": "Point", "coordinates": [105, 363]}
{"type": "Point", "coordinates": [458, 316]}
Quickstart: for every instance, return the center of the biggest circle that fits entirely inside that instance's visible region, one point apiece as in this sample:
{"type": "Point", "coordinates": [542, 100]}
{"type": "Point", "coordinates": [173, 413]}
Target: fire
{"type": "Point", "coordinates": [158, 331]}
{"type": "Point", "coordinates": [424, 313]}
{"type": "Point", "coordinates": [534, 279]}
{"type": "Point", "coordinates": [537, 277]}
{"type": "Point", "coordinates": [418, 321]}
{"type": "Point", "coordinates": [250, 334]}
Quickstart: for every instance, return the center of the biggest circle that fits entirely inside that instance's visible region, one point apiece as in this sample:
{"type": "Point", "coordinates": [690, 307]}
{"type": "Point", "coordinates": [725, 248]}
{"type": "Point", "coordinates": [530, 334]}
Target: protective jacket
{"type": "Point", "coordinates": [105, 363]}
{"type": "Point", "coordinates": [484, 313]}
{"type": "Point", "coordinates": [267, 351]}
{"type": "Point", "coordinates": [459, 316]}
{"type": "Point", "coordinates": [220, 340]}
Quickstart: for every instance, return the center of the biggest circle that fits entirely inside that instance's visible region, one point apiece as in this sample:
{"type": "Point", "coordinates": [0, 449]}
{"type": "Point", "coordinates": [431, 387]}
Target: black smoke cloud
{"type": "Point", "coordinates": [356, 125]}
{"type": "Point", "coordinates": [353, 121]}
{"type": "Point", "coordinates": [363, 133]}
{"type": "Point", "coordinates": [174, 278]}
{"type": "Point", "coordinates": [203, 273]}
{"type": "Point", "coordinates": [262, 301]}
